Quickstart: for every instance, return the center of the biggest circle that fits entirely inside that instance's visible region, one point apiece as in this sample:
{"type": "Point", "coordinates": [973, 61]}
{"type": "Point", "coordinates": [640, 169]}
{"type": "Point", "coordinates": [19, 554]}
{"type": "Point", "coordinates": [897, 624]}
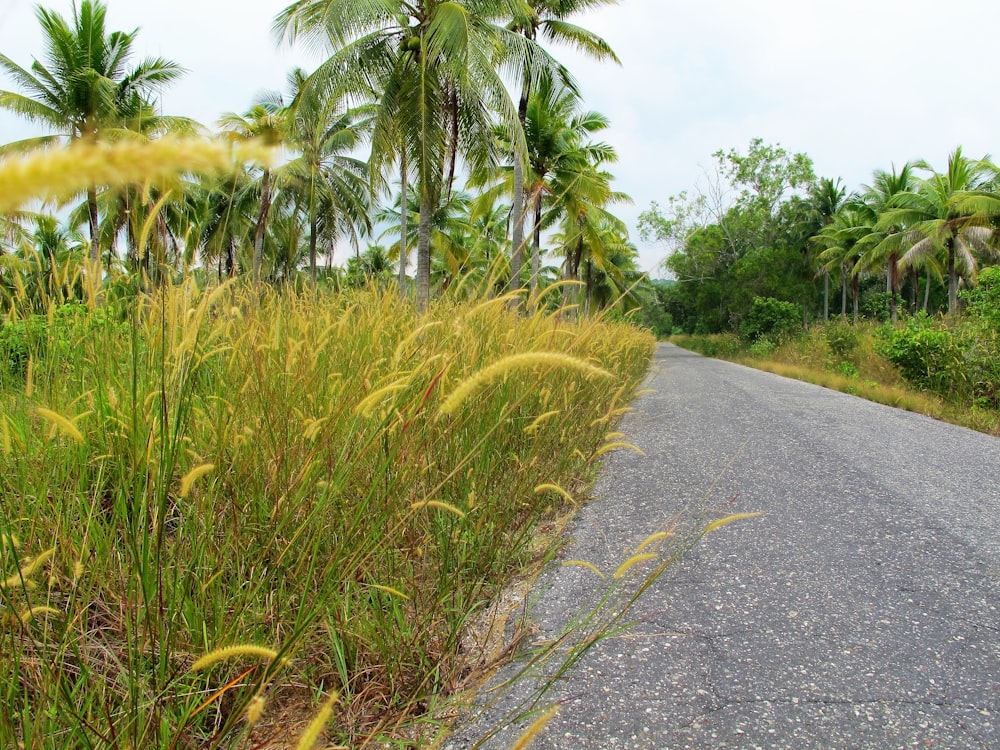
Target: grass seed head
{"type": "Point", "coordinates": [233, 652]}
{"type": "Point", "coordinates": [515, 362]}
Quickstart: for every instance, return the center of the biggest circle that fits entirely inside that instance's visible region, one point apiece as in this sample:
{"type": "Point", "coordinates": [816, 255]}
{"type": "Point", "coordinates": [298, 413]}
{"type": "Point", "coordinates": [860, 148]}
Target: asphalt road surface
{"type": "Point", "coordinates": [861, 610]}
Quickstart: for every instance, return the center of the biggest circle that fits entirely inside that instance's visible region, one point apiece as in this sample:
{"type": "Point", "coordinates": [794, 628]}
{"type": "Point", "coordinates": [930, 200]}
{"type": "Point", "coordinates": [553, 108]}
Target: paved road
{"type": "Point", "coordinates": [862, 610]}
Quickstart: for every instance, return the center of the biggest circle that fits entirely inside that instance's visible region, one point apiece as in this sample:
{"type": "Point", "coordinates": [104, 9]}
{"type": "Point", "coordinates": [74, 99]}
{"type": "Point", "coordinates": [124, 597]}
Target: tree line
{"type": "Point", "coordinates": [406, 141]}
{"type": "Point", "coordinates": [766, 227]}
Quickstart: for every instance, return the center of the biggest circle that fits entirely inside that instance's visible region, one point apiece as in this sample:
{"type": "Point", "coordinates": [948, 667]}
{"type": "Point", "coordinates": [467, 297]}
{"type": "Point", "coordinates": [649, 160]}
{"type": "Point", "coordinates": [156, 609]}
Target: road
{"type": "Point", "coordinates": [860, 610]}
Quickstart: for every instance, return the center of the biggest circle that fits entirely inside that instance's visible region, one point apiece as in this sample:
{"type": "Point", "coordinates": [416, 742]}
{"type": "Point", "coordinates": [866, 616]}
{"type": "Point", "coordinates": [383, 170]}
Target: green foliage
{"type": "Point", "coordinates": [847, 369]}
{"type": "Point", "coordinates": [17, 341]}
{"type": "Point", "coordinates": [921, 350]}
{"type": "Point", "coordinates": [720, 345]}
{"type": "Point", "coordinates": [875, 305]}
{"type": "Point", "coordinates": [762, 348]}
{"type": "Point", "coordinates": [771, 318]}
{"type": "Point", "coordinates": [654, 312]}
{"type": "Point", "coordinates": [959, 360]}
{"type": "Point", "coordinates": [983, 300]}
{"type": "Point", "coordinates": [842, 338]}
{"type": "Point", "coordinates": [49, 339]}
{"type": "Point", "coordinates": [727, 251]}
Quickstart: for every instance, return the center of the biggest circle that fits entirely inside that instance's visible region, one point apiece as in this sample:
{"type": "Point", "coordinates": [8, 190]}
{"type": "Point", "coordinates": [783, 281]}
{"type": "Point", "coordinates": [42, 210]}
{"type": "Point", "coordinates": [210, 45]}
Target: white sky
{"type": "Point", "coordinates": [856, 84]}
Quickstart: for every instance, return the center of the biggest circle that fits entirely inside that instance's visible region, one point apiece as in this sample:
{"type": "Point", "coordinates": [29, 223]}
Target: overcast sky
{"type": "Point", "coordinates": [856, 84]}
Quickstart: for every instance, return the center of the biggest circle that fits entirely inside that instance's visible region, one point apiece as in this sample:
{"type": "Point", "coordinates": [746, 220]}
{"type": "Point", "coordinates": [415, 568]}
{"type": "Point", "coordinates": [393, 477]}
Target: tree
{"type": "Point", "coordinates": [588, 231]}
{"type": "Point", "coordinates": [555, 131]}
{"type": "Point", "coordinates": [742, 236]}
{"type": "Point", "coordinates": [546, 20]}
{"type": "Point", "coordinates": [881, 246]}
{"type": "Point", "coordinates": [825, 199]}
{"type": "Point", "coordinates": [85, 90]}
{"type": "Point", "coordinates": [325, 133]}
{"type": "Point", "coordinates": [838, 242]}
{"type": "Point", "coordinates": [434, 69]}
{"type": "Point", "coordinates": [948, 213]}
{"type": "Point", "coordinates": [267, 120]}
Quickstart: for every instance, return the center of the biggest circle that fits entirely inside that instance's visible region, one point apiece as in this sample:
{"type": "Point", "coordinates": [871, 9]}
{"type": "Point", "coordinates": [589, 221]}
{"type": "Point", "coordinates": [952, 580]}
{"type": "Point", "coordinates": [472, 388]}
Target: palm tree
{"type": "Point", "coordinates": [555, 131]}
{"type": "Point", "coordinates": [945, 214]}
{"type": "Point", "coordinates": [268, 121]}
{"type": "Point", "coordinates": [839, 242]}
{"type": "Point", "coordinates": [547, 21]}
{"type": "Point", "coordinates": [881, 247]}
{"type": "Point", "coordinates": [434, 69]}
{"type": "Point", "coordinates": [223, 214]}
{"type": "Point", "coordinates": [331, 181]}
{"type": "Point", "coordinates": [85, 90]}
{"type": "Point", "coordinates": [579, 206]}
{"type": "Point", "coordinates": [825, 199]}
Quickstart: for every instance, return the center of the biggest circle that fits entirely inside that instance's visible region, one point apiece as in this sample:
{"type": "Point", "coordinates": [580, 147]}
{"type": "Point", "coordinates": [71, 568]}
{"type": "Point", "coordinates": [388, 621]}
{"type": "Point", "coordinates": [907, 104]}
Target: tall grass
{"type": "Point", "coordinates": [221, 511]}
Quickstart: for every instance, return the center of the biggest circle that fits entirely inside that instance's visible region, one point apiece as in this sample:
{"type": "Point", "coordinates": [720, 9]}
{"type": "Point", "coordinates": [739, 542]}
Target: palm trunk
{"type": "Point", "coordinates": [536, 246]}
{"type": "Point", "coordinates": [856, 293]}
{"type": "Point", "coordinates": [952, 279]}
{"type": "Point", "coordinates": [826, 295]}
{"type": "Point", "coordinates": [927, 292]}
{"type": "Point", "coordinates": [313, 227]}
{"type": "Point", "coordinates": [258, 240]}
{"type": "Point", "coordinates": [424, 252]}
{"type": "Point", "coordinates": [95, 244]}
{"type": "Point", "coordinates": [843, 292]}
{"type": "Point", "coordinates": [893, 280]}
{"type": "Point", "coordinates": [517, 207]}
{"type": "Point", "coordinates": [402, 224]}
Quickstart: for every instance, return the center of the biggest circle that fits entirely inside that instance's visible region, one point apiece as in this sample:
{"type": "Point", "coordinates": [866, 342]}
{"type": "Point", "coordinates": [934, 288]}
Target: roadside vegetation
{"type": "Point", "coordinates": [329, 485]}
{"type": "Point", "coordinates": [888, 292]}
{"type": "Point", "coordinates": [943, 367]}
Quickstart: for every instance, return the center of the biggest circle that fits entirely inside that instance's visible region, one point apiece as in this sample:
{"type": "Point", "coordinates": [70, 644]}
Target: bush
{"type": "Point", "coordinates": [719, 345]}
{"type": "Point", "coordinates": [771, 318]}
{"type": "Point", "coordinates": [51, 337]}
{"type": "Point", "coordinates": [961, 363]}
{"type": "Point", "coordinates": [983, 300]}
{"type": "Point", "coordinates": [922, 352]}
{"type": "Point", "coordinates": [762, 349]}
{"type": "Point", "coordinates": [842, 338]}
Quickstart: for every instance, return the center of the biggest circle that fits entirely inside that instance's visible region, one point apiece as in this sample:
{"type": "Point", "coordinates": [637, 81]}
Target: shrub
{"type": "Point", "coordinates": [847, 369]}
{"type": "Point", "coordinates": [762, 349]}
{"type": "Point", "coordinates": [983, 300]}
{"type": "Point", "coordinates": [770, 317]}
{"type": "Point", "coordinates": [842, 338]}
{"type": "Point", "coordinates": [922, 352]}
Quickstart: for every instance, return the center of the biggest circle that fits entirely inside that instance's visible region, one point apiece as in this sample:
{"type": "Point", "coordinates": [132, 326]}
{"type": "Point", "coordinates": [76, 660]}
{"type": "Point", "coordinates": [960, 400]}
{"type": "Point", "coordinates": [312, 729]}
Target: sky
{"type": "Point", "coordinates": [857, 85]}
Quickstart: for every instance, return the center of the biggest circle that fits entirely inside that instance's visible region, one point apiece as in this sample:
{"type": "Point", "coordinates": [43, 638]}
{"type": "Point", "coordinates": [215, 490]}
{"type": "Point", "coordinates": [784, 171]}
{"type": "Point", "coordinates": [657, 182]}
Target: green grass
{"type": "Point", "coordinates": [218, 472]}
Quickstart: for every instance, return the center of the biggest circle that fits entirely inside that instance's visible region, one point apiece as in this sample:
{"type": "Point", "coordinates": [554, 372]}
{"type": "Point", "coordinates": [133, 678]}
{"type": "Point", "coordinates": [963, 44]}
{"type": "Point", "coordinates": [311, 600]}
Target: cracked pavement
{"type": "Point", "coordinates": [861, 610]}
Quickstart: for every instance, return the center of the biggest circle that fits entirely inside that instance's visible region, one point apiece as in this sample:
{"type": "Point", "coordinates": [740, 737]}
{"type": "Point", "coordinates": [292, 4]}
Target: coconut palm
{"type": "Point", "coordinates": [825, 199]}
{"type": "Point", "coordinates": [223, 210]}
{"type": "Point", "coordinates": [85, 88]}
{"type": "Point", "coordinates": [944, 214]}
{"type": "Point", "coordinates": [556, 132]}
{"type": "Point", "coordinates": [580, 201]}
{"type": "Point", "coordinates": [434, 68]}
{"type": "Point", "coordinates": [882, 246]}
{"type": "Point", "coordinates": [332, 183]}
{"type": "Point", "coordinates": [839, 243]}
{"type": "Point", "coordinates": [547, 22]}
{"type": "Point", "coordinates": [266, 120]}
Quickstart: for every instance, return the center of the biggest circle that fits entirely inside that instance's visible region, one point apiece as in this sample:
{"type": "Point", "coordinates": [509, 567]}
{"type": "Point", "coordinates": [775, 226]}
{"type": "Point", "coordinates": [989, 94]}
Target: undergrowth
{"type": "Point", "coordinates": [220, 509]}
{"type": "Point", "coordinates": [847, 358]}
